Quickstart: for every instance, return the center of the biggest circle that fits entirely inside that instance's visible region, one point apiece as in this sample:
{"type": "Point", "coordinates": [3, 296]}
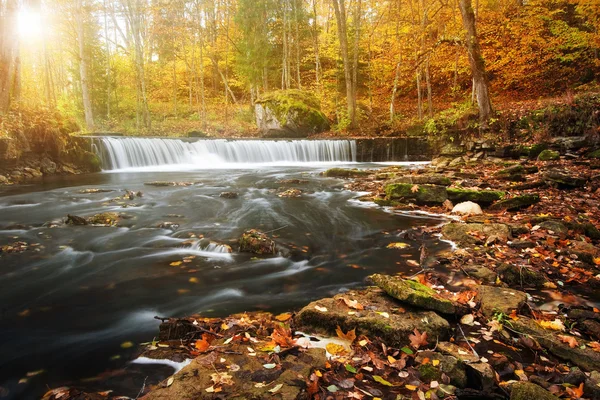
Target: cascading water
{"type": "Point", "coordinates": [122, 153]}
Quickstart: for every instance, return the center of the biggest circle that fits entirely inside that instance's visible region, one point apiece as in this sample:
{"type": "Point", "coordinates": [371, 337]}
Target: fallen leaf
{"type": "Point", "coordinates": [283, 317]}
{"type": "Point", "coordinates": [170, 381]}
{"type": "Point", "coordinates": [353, 304]}
{"type": "Point", "coordinates": [576, 393]}
{"type": "Point", "coordinates": [176, 263]}
{"type": "Point", "coordinates": [570, 340]}
{"type": "Point", "coordinates": [556, 325]}
{"type": "Point", "coordinates": [379, 379]}
{"type": "Point", "coordinates": [595, 346]}
{"type": "Point", "coordinates": [350, 368]}
{"type": "Point", "coordinates": [270, 366]}
{"type": "Point", "coordinates": [276, 388]}
{"type": "Point", "coordinates": [414, 189]}
{"type": "Point", "coordinates": [418, 339]}
{"type": "Point", "coordinates": [222, 378]}
{"type": "Point", "coordinates": [335, 349]}
{"type": "Point", "coordinates": [202, 345]}
{"type": "Point", "coordinates": [349, 336]}
{"type": "Point", "coordinates": [398, 245]}
{"type": "Point", "coordinates": [322, 309]}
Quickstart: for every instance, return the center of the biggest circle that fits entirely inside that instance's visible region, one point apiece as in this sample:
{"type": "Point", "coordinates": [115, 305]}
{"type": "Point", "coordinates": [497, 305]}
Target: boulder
{"type": "Point", "coordinates": [452, 149]}
{"type": "Point", "coordinates": [257, 242]}
{"type": "Point", "coordinates": [345, 173]}
{"type": "Point", "coordinates": [523, 276]}
{"type": "Point", "coordinates": [289, 114]}
{"type": "Point", "coordinates": [481, 272]}
{"type": "Point", "coordinates": [477, 233]}
{"type": "Point", "coordinates": [554, 226]}
{"type": "Point", "coordinates": [564, 179]}
{"type": "Point", "coordinates": [413, 293]}
{"type": "Point", "coordinates": [467, 208]}
{"type": "Point", "coordinates": [516, 203]}
{"type": "Point", "coordinates": [229, 195]}
{"type": "Point", "coordinates": [420, 194]}
{"type": "Point", "coordinates": [530, 391]}
{"type": "Point", "coordinates": [107, 218]}
{"type": "Point", "coordinates": [425, 179]}
{"type": "Point", "coordinates": [548, 155]}
{"type": "Point", "coordinates": [581, 355]}
{"type": "Point", "coordinates": [477, 196]}
{"type": "Point", "coordinates": [522, 244]}
{"type": "Point", "coordinates": [452, 367]}
{"type": "Point", "coordinates": [381, 316]}
{"type": "Point", "coordinates": [47, 166]}
{"type": "Point", "coordinates": [497, 299]}
{"type": "Point", "coordinates": [3, 180]}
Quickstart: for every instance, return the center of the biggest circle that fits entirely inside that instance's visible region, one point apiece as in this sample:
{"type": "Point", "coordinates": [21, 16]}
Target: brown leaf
{"type": "Point", "coordinates": [576, 393]}
{"type": "Point", "coordinates": [283, 336]}
{"type": "Point", "coordinates": [353, 304]}
{"type": "Point", "coordinates": [202, 345]}
{"type": "Point", "coordinates": [570, 340]}
{"type": "Point", "coordinates": [349, 336]}
{"type": "Point", "coordinates": [414, 189]}
{"type": "Point", "coordinates": [418, 339]}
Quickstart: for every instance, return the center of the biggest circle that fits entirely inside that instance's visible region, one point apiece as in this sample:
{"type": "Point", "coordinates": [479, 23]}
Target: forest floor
{"type": "Point", "coordinates": [511, 312]}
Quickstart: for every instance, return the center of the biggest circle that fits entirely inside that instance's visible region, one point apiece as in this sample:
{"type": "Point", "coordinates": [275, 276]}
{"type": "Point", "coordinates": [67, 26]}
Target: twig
{"type": "Point", "coordinates": [142, 389]}
{"type": "Point", "coordinates": [467, 340]}
{"type": "Point", "coordinates": [275, 230]}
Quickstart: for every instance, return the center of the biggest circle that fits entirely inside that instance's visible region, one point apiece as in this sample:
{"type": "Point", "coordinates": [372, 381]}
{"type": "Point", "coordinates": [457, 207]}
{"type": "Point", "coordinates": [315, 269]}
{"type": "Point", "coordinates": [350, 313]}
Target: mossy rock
{"type": "Point", "coordinates": [457, 195]}
{"type": "Point", "coordinates": [516, 203]}
{"type": "Point", "coordinates": [449, 365]}
{"type": "Point", "coordinates": [523, 276]}
{"type": "Point", "coordinates": [425, 179]}
{"type": "Point", "coordinates": [564, 179]}
{"type": "Point", "coordinates": [462, 233]}
{"type": "Point", "coordinates": [497, 299]}
{"type": "Point", "coordinates": [530, 391]}
{"type": "Point", "coordinates": [413, 293]}
{"type": "Point", "coordinates": [107, 218]}
{"type": "Point", "coordinates": [420, 194]}
{"type": "Point", "coordinates": [534, 150]}
{"type": "Point", "coordinates": [254, 241]}
{"type": "Point", "coordinates": [548, 155]}
{"type": "Point", "coordinates": [382, 316]}
{"type": "Point", "coordinates": [289, 113]}
{"type": "Point", "coordinates": [594, 154]}
{"type": "Point", "coordinates": [345, 173]}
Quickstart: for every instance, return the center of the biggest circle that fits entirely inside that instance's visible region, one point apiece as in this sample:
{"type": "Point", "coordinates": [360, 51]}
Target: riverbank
{"type": "Point", "coordinates": [512, 312]}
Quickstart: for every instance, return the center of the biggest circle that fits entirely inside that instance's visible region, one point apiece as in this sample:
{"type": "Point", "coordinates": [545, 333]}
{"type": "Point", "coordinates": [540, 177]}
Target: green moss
{"type": "Point", "coordinates": [429, 373]}
{"type": "Point", "coordinates": [477, 196]}
{"type": "Point", "coordinates": [422, 194]}
{"type": "Point", "coordinates": [284, 102]}
{"type": "Point", "coordinates": [516, 203]}
{"type": "Point", "coordinates": [594, 154]}
{"type": "Point", "coordinates": [548, 155]}
{"type": "Point", "coordinates": [345, 173]}
{"type": "Point", "coordinates": [528, 391]}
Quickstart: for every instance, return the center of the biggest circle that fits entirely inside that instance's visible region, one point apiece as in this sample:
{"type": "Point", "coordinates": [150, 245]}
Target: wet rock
{"type": "Point", "coordinates": [523, 276]}
{"type": "Point", "coordinates": [582, 357]}
{"type": "Point", "coordinates": [484, 375]}
{"type": "Point", "coordinates": [229, 195]}
{"type": "Point", "coordinates": [530, 391]}
{"type": "Point", "coordinates": [548, 155]}
{"type": "Point", "coordinates": [424, 179]}
{"type": "Point", "coordinates": [293, 181]}
{"type": "Point", "coordinates": [345, 173]}
{"type": "Point", "coordinates": [584, 251]}
{"type": "Point", "coordinates": [413, 293]}
{"type": "Point", "coordinates": [94, 190]}
{"type": "Point", "coordinates": [521, 244]}
{"type": "Point", "coordinates": [458, 352]}
{"type": "Point", "coordinates": [481, 272]}
{"type": "Point", "coordinates": [107, 218]}
{"type": "Point", "coordinates": [467, 208]}
{"type": "Point", "coordinates": [516, 203]}
{"type": "Point", "coordinates": [449, 365]}
{"type": "Point", "coordinates": [169, 225]}
{"type": "Point", "coordinates": [564, 179]}
{"type": "Point", "coordinates": [257, 242]}
{"type": "Point", "coordinates": [497, 299]}
{"type": "Point", "coordinates": [47, 166]}
{"type": "Point", "coordinates": [592, 327]}
{"type": "Point", "coordinates": [476, 233]}
{"type": "Point", "coordinates": [554, 226]}
{"type": "Point", "coordinates": [75, 220]}
{"type": "Point", "coordinates": [420, 194]}
{"type": "Point", "coordinates": [477, 196]}
{"type": "Point", "coordinates": [290, 193]}
{"type": "Point", "coordinates": [382, 316]}
{"type": "Point", "coordinates": [289, 113]}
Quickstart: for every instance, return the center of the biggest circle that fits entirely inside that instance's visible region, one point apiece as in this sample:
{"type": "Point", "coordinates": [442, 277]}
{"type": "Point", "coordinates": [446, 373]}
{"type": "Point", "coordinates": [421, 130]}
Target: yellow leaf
{"type": "Point", "coordinates": [194, 280]}
{"type": "Point", "coordinates": [126, 345]}
{"type": "Point", "coordinates": [322, 309]}
{"type": "Point", "coordinates": [175, 263]}
{"type": "Point", "coordinates": [556, 325]}
{"type": "Point", "coordinates": [283, 317]}
{"type": "Point", "coordinates": [336, 349]}
{"type": "Point", "coordinates": [435, 363]}
{"type": "Point", "coordinates": [398, 245]}
{"type": "Point", "coordinates": [411, 387]}
{"type": "Point", "coordinates": [391, 359]}
{"type": "Point", "coordinates": [363, 343]}
{"type": "Point", "coordinates": [318, 373]}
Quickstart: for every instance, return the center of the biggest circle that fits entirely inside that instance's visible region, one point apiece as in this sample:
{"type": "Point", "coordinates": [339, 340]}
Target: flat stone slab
{"type": "Point", "coordinates": [472, 234]}
{"type": "Point", "coordinates": [381, 316]}
{"type": "Point", "coordinates": [458, 352]}
{"type": "Point", "coordinates": [413, 293]}
{"type": "Point", "coordinates": [498, 299]}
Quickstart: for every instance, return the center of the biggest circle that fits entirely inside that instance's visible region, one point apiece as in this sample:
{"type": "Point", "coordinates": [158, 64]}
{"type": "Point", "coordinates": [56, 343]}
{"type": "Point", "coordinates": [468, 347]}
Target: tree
{"type": "Point", "coordinates": [480, 80]}
{"type": "Point", "coordinates": [83, 65]}
{"type": "Point", "coordinates": [9, 52]}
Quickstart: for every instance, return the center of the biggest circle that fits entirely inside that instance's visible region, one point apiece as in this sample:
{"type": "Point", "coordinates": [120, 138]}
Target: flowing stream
{"type": "Point", "coordinates": [78, 294]}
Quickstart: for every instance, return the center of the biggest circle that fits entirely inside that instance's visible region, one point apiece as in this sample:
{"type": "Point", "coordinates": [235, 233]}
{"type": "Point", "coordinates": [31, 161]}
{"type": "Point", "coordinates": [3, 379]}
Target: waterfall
{"type": "Point", "coordinates": [125, 152]}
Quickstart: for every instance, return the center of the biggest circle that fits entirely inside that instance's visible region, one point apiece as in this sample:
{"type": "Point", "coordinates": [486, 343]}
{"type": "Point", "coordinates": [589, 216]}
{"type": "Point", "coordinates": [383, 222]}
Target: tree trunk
{"type": "Point", "coordinates": [83, 67]}
{"type": "Point", "coordinates": [480, 81]}
{"type": "Point", "coordinates": [340, 15]}
{"type": "Point", "coordinates": [429, 95]}
{"type": "Point", "coordinates": [8, 48]}
{"type": "Point", "coordinates": [315, 32]}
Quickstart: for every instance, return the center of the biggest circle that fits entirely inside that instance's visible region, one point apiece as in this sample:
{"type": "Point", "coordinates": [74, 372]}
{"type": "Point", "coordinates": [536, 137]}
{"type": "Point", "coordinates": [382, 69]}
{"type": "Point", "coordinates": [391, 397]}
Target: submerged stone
{"type": "Point", "coordinates": [382, 316]}
{"type": "Point", "coordinates": [420, 194]}
{"type": "Point", "coordinates": [257, 242]}
{"type": "Point", "coordinates": [413, 293]}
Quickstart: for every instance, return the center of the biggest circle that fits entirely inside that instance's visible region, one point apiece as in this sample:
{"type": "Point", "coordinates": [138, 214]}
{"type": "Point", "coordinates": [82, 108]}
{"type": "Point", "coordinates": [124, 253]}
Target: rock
{"type": "Point", "coordinates": [47, 166]}
{"type": "Point", "coordinates": [518, 229]}
{"type": "Point", "coordinates": [516, 203]}
{"type": "Point", "coordinates": [564, 179]}
{"type": "Point", "coordinates": [592, 327]}
{"type": "Point", "coordinates": [468, 208]}
{"type": "Point", "coordinates": [523, 276]}
{"type": "Point", "coordinates": [289, 113]}
{"type": "Point", "coordinates": [530, 391]}
{"type": "Point", "coordinates": [591, 388]}
{"type": "Point", "coordinates": [420, 194]}
{"type": "Point", "coordinates": [345, 173]}
{"type": "Point", "coordinates": [440, 162]}
{"type": "Point", "coordinates": [534, 150]}
{"type": "Point", "coordinates": [107, 218]}
{"type": "Point", "coordinates": [75, 220]}
{"type": "Point", "coordinates": [594, 154]}
{"type": "Point", "coordinates": [548, 155]}
{"type": "Point", "coordinates": [229, 195]}
{"type": "Point", "coordinates": [514, 173]}
{"type": "Point", "coordinates": [165, 183]}
{"type": "Point", "coordinates": [521, 244]}
{"type": "Point", "coordinates": [485, 375]}
{"type": "Point", "coordinates": [193, 380]}
{"type": "Point", "coordinates": [477, 196]}
{"type": "Point", "coordinates": [290, 193]}
{"type": "Point", "coordinates": [485, 233]}
{"type": "Point", "coordinates": [424, 179]}
{"type": "Point", "coordinates": [413, 293]}
{"type": "Point", "coordinates": [496, 299]}
{"type": "Point", "coordinates": [582, 357]}
{"type": "Point", "coordinates": [3, 180]}
{"type": "Point", "coordinates": [566, 143]}
{"type": "Point", "coordinates": [383, 316]}
{"type": "Point", "coordinates": [481, 272]}
{"type": "Point", "coordinates": [197, 134]}
{"type": "Point", "coordinates": [452, 149]}
{"type": "Point", "coordinates": [94, 191]}
{"type": "Point", "coordinates": [585, 252]}
{"type": "Point", "coordinates": [554, 226]}
{"type": "Point", "coordinates": [254, 241]}
{"type": "Point", "coordinates": [456, 162]}
{"type": "Point", "coordinates": [293, 181]}
{"type": "Point", "coordinates": [449, 365]}
{"type": "Point", "coordinates": [458, 352]}
{"type": "Point", "coordinates": [169, 225]}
